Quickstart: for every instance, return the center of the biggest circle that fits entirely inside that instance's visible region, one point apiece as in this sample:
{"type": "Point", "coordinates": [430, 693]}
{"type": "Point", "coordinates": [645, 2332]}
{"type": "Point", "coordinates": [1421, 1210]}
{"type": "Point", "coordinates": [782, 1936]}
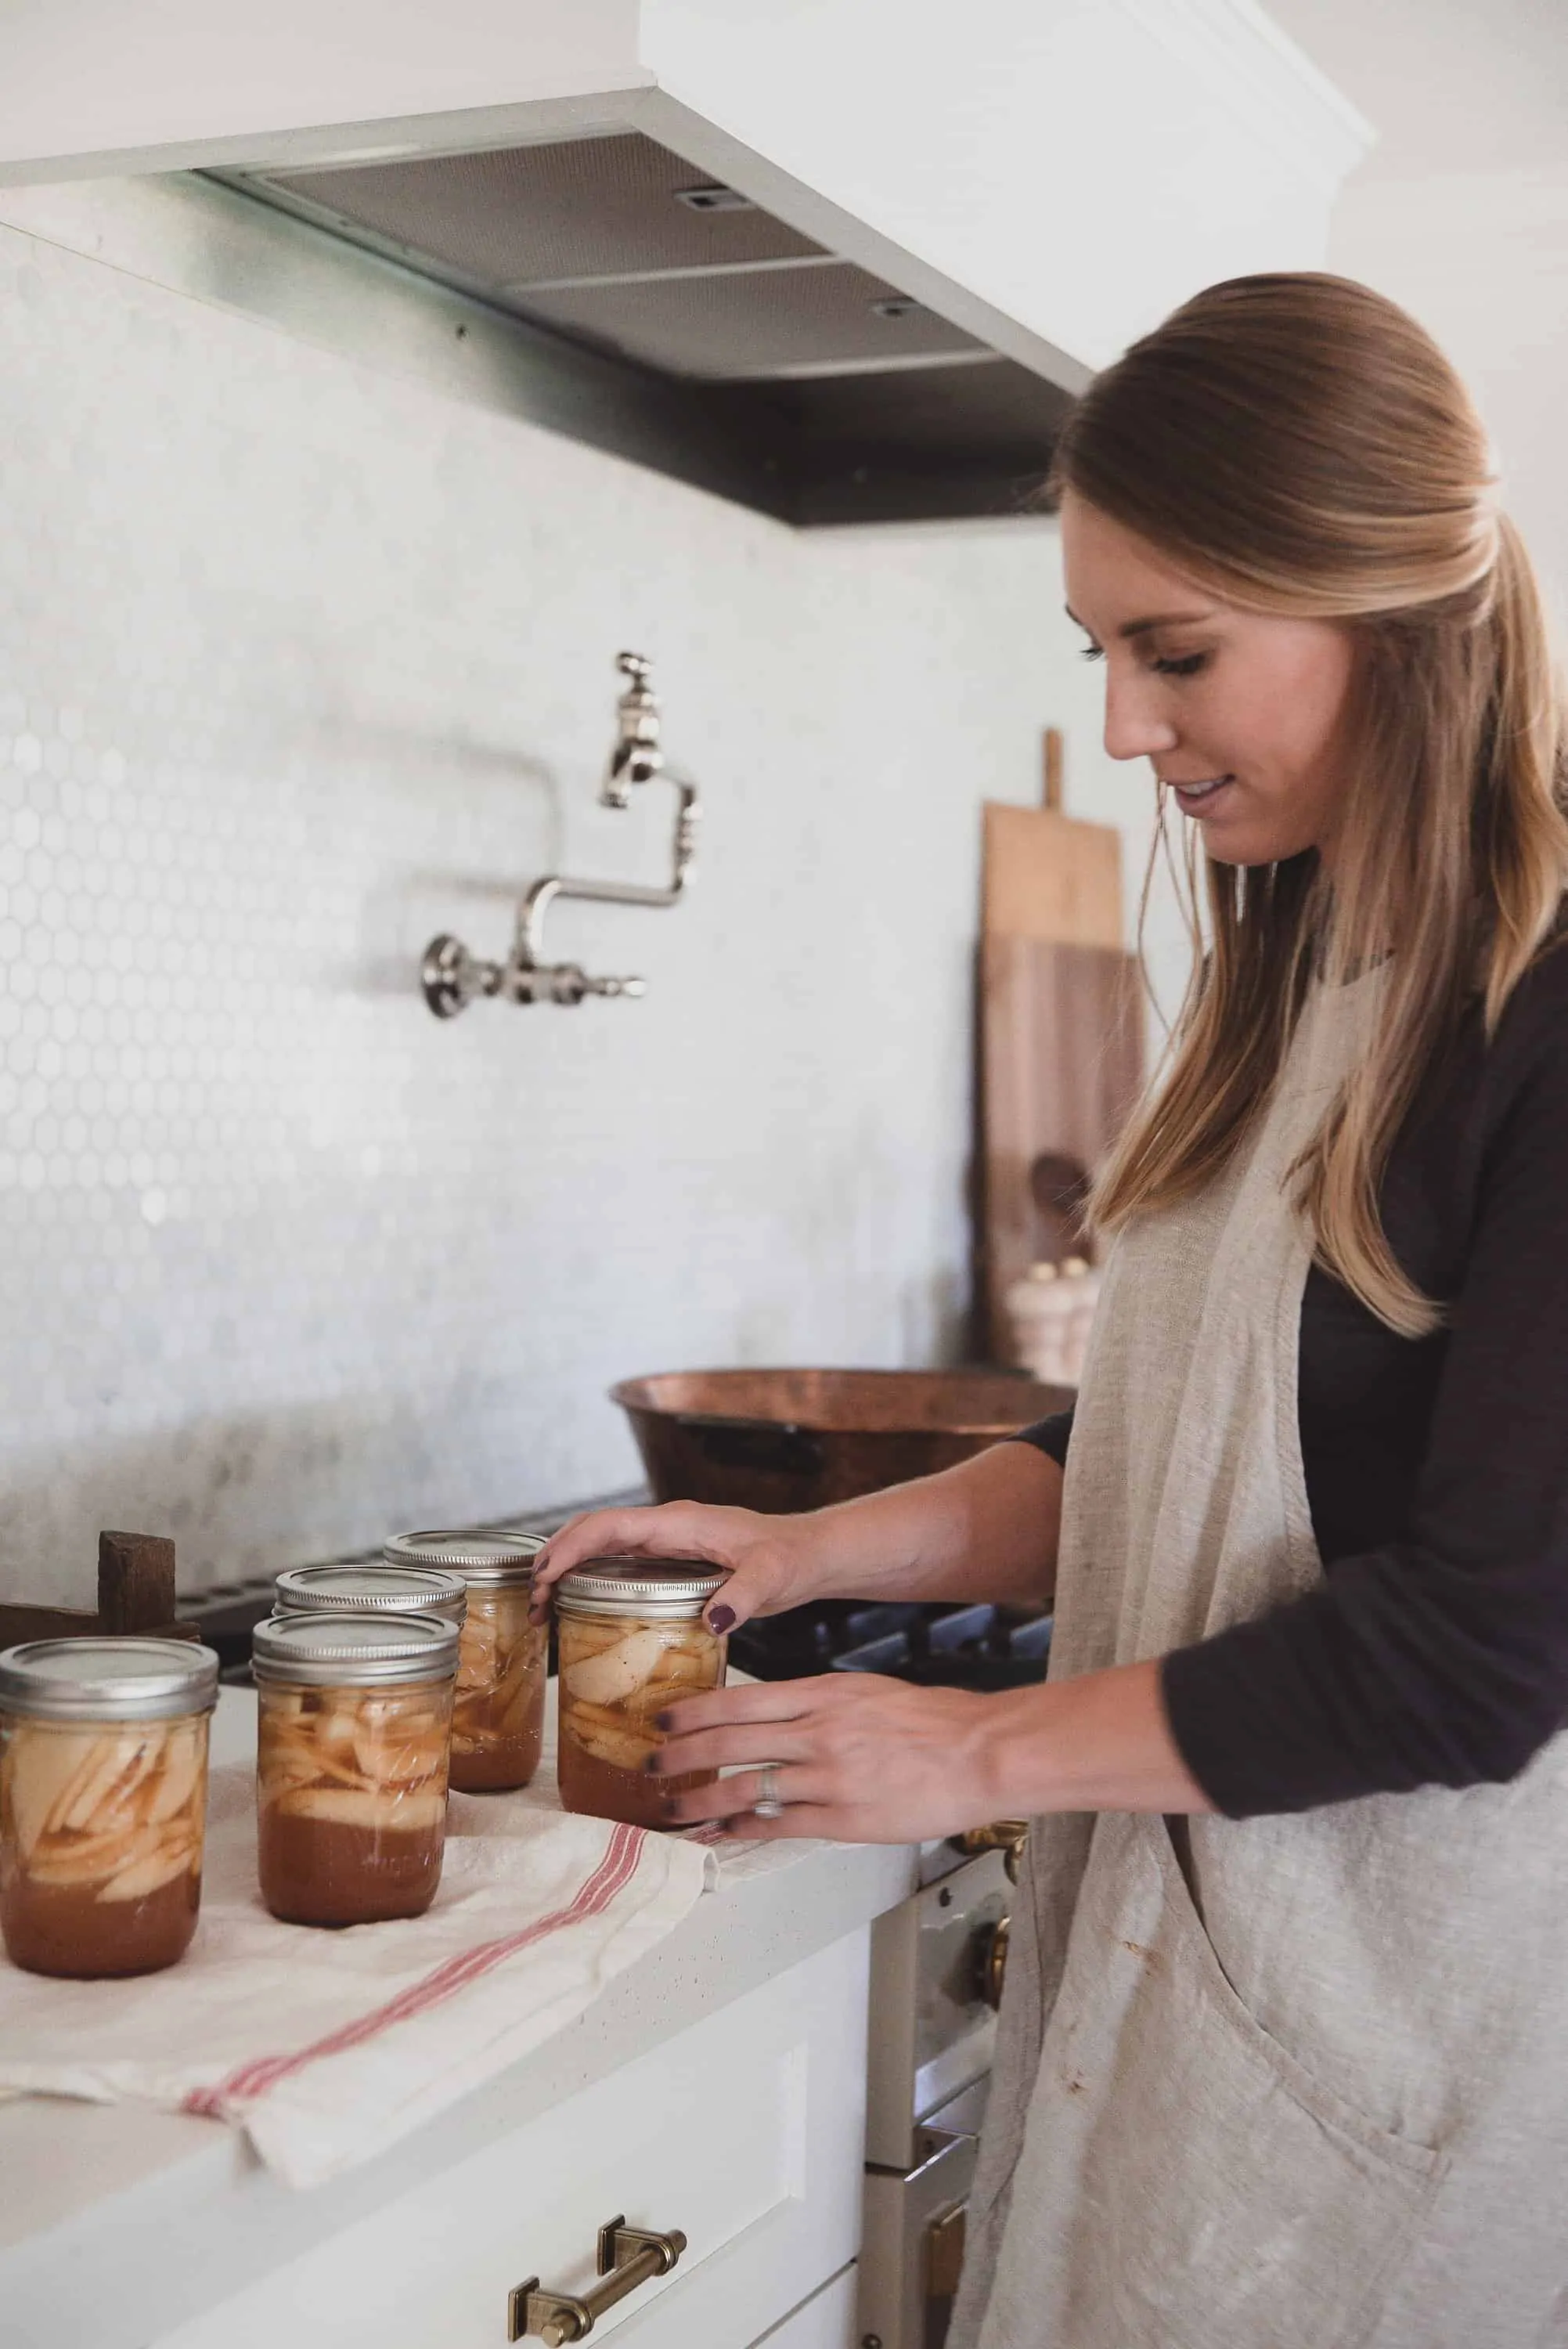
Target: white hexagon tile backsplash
{"type": "Point", "coordinates": [298, 665]}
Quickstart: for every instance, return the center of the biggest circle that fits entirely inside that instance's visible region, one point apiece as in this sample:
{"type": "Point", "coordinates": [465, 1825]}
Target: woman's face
{"type": "Point", "coordinates": [1240, 713]}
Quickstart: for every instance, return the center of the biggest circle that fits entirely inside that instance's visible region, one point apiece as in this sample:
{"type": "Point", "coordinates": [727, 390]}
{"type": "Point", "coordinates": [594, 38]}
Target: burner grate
{"type": "Point", "coordinates": [980, 1647]}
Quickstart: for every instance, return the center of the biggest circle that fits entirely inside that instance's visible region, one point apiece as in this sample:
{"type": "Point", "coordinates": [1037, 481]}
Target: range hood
{"type": "Point", "coordinates": [668, 317]}
{"type": "Point", "coordinates": [842, 263]}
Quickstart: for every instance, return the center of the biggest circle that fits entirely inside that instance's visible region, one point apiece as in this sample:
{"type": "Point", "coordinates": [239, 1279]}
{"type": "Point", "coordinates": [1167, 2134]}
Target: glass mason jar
{"type": "Point", "coordinates": [498, 1716]}
{"type": "Point", "coordinates": [354, 1724]}
{"type": "Point", "coordinates": [632, 1641]}
{"type": "Point", "coordinates": [103, 1801]}
{"type": "Point", "coordinates": [370, 1588]}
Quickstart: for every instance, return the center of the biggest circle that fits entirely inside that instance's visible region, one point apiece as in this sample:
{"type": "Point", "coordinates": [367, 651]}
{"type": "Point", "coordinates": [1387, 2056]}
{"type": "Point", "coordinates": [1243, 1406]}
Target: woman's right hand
{"type": "Point", "coordinates": [770, 1559]}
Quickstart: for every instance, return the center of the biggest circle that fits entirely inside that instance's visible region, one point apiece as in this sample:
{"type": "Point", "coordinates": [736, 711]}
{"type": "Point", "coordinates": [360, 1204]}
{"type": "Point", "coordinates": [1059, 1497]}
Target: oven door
{"type": "Point", "coordinates": [936, 1986]}
{"type": "Point", "coordinates": [912, 2244]}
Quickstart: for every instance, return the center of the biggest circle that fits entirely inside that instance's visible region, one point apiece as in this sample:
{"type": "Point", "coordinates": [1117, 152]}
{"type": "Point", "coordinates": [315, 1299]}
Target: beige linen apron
{"type": "Point", "coordinates": [1289, 2083]}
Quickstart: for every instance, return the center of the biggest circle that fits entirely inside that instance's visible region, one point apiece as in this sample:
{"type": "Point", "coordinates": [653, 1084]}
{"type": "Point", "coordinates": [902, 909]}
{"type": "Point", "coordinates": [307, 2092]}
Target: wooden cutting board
{"type": "Point", "coordinates": [1061, 1021]}
{"type": "Point", "coordinates": [1046, 876]}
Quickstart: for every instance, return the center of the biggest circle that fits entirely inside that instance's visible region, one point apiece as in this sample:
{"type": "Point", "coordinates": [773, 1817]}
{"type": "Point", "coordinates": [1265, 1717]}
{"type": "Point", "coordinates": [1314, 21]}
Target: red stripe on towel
{"type": "Point", "coordinates": [612, 1876]}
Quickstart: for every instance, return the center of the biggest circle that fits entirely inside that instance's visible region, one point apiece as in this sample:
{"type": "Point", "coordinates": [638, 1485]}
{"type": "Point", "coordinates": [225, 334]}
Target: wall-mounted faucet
{"type": "Point", "coordinates": [452, 977]}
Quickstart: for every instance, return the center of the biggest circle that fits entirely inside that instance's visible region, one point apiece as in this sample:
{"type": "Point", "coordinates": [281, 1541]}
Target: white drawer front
{"type": "Point", "coordinates": [826, 2322]}
{"type": "Point", "coordinates": [745, 2132]}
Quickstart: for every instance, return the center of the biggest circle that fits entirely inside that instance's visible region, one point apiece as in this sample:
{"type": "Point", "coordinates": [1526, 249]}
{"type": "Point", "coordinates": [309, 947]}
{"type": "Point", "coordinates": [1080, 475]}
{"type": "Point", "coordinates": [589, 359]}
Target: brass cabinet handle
{"type": "Point", "coordinates": [628, 2256]}
{"type": "Point", "coordinates": [1007, 1836]}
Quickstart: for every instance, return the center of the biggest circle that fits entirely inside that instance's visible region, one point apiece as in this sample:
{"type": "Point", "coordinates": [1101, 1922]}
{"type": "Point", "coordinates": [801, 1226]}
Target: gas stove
{"type": "Point", "coordinates": [984, 1647]}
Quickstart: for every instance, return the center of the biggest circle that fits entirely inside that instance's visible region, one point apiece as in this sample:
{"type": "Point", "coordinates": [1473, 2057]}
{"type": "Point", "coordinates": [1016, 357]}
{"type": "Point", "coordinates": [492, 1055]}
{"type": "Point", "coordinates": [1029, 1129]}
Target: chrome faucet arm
{"type": "Point", "coordinates": [453, 977]}
{"type": "Point", "coordinates": [528, 950]}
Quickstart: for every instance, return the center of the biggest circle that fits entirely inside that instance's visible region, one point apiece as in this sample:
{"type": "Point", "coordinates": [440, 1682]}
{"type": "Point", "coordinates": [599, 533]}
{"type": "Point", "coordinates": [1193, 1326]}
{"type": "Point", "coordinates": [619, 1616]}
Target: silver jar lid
{"type": "Point", "coordinates": [484, 1559]}
{"type": "Point", "coordinates": [332, 1649]}
{"type": "Point", "coordinates": [371, 1590]}
{"type": "Point", "coordinates": [104, 1679]}
{"type": "Point", "coordinates": [665, 1590]}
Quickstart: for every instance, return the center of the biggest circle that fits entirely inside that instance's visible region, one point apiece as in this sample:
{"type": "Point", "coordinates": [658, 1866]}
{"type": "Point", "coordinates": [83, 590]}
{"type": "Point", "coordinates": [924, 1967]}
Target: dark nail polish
{"type": "Point", "coordinates": [652, 1765]}
{"type": "Point", "coordinates": [670, 1807]}
{"type": "Point", "coordinates": [663, 1720]}
{"type": "Point", "coordinates": [719, 1619]}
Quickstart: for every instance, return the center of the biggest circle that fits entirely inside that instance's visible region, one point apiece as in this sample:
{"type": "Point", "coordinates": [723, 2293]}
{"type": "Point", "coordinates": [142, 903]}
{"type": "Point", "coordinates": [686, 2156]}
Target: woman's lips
{"type": "Point", "coordinates": [1198, 798]}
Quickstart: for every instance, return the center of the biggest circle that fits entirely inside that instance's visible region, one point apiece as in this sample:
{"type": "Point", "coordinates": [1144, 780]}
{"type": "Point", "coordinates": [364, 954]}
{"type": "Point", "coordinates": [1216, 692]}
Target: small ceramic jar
{"type": "Point", "coordinates": [498, 1717]}
{"type": "Point", "coordinates": [103, 1801]}
{"type": "Point", "coordinates": [632, 1642]}
{"type": "Point", "coordinates": [355, 1721]}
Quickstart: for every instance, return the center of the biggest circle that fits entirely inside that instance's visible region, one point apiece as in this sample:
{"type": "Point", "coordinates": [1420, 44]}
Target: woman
{"type": "Point", "coordinates": [1284, 2050]}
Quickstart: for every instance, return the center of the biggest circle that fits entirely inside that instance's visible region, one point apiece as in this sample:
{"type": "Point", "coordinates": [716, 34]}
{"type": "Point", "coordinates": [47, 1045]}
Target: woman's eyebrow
{"type": "Point", "coordinates": [1142, 628]}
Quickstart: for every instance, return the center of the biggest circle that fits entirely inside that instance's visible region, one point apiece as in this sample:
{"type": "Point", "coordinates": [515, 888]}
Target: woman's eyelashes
{"type": "Point", "coordinates": [1188, 665]}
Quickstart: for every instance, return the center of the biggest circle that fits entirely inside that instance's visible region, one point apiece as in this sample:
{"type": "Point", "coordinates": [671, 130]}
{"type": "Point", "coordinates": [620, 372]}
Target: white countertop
{"type": "Point", "coordinates": [119, 2222]}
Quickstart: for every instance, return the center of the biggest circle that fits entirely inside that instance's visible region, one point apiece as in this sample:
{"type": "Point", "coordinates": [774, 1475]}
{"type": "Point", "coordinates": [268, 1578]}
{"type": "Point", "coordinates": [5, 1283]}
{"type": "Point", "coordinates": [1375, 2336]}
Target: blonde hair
{"type": "Point", "coordinates": [1298, 445]}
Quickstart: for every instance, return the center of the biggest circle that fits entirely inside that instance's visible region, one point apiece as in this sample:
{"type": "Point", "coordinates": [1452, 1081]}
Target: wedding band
{"type": "Point", "coordinates": [770, 1803]}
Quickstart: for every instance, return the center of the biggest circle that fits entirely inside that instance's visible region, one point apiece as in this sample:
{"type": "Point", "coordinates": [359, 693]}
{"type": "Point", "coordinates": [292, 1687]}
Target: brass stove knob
{"type": "Point", "coordinates": [991, 1959]}
{"type": "Point", "coordinates": [1007, 1836]}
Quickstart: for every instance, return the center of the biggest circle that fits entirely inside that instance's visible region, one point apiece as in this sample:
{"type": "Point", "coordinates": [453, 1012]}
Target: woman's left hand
{"type": "Point", "coordinates": [857, 1758]}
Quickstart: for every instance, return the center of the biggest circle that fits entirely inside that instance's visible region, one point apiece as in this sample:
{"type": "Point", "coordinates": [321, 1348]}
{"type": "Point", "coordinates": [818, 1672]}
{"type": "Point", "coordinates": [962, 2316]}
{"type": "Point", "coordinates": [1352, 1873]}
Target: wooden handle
{"type": "Point", "coordinates": [136, 1583]}
{"type": "Point", "coordinates": [19, 1624]}
{"type": "Point", "coordinates": [1053, 768]}
{"type": "Point", "coordinates": [135, 1598]}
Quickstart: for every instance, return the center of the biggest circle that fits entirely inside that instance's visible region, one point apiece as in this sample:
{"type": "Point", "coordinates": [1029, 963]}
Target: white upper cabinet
{"type": "Point", "coordinates": [1050, 176]}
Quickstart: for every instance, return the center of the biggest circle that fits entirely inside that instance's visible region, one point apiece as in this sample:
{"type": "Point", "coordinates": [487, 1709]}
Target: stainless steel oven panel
{"type": "Point", "coordinates": [938, 1858]}
{"type": "Point", "coordinates": [911, 2242]}
{"type": "Point", "coordinates": [963, 2115]}
{"type": "Point", "coordinates": [931, 2029]}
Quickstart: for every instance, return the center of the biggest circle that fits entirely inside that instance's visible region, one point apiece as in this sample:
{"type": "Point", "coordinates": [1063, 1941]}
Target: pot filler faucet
{"type": "Point", "coordinates": [453, 975]}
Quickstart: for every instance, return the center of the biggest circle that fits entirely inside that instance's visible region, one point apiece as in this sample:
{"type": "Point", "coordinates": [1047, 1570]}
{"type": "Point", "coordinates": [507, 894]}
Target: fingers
{"type": "Point", "coordinates": [818, 1820]}
{"type": "Point", "coordinates": [759, 1701]}
{"type": "Point", "coordinates": [709, 1749]}
{"type": "Point", "coordinates": [854, 1757]}
{"type": "Point", "coordinates": [747, 1546]}
{"type": "Point", "coordinates": [729, 1799]}
{"type": "Point", "coordinates": [673, 1529]}
{"type": "Point", "coordinates": [612, 1533]}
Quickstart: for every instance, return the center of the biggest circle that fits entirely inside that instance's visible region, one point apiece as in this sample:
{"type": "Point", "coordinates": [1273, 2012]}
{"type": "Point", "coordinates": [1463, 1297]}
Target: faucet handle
{"type": "Point", "coordinates": [568, 982]}
{"type": "Point", "coordinates": [452, 977]}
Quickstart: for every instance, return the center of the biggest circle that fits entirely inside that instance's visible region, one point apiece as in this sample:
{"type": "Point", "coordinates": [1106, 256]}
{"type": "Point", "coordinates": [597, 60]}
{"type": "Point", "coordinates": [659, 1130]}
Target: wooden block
{"type": "Point", "coordinates": [19, 1624]}
{"type": "Point", "coordinates": [1049, 877]}
{"type": "Point", "coordinates": [136, 1583]}
{"type": "Point", "coordinates": [135, 1598]}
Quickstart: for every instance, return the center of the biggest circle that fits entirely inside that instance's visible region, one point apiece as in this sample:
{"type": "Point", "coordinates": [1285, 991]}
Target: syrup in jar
{"type": "Point", "coordinates": [632, 1642]}
{"type": "Point", "coordinates": [355, 1722]}
{"type": "Point", "coordinates": [497, 1713]}
{"type": "Point", "coordinates": [103, 1801]}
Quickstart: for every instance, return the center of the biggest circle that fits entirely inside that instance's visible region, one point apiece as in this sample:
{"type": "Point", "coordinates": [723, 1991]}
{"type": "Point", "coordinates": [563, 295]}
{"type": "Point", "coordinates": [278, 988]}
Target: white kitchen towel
{"type": "Point", "coordinates": [327, 2046]}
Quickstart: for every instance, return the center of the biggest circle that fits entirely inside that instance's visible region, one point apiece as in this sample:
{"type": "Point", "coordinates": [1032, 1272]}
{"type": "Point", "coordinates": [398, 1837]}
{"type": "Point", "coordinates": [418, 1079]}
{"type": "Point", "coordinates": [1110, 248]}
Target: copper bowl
{"type": "Point", "coordinates": [784, 1440]}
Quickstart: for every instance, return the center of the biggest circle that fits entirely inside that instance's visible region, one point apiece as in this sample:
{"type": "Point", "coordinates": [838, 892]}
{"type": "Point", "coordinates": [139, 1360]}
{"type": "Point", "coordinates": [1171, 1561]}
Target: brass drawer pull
{"type": "Point", "coordinates": [1007, 1836]}
{"type": "Point", "coordinates": [628, 2256]}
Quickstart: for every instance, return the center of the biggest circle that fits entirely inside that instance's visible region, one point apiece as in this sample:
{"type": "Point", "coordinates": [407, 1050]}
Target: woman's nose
{"type": "Point", "coordinates": [1135, 725]}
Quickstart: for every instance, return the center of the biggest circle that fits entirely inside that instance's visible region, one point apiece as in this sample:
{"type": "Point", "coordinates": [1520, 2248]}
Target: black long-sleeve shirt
{"type": "Point", "coordinates": [1435, 1649]}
